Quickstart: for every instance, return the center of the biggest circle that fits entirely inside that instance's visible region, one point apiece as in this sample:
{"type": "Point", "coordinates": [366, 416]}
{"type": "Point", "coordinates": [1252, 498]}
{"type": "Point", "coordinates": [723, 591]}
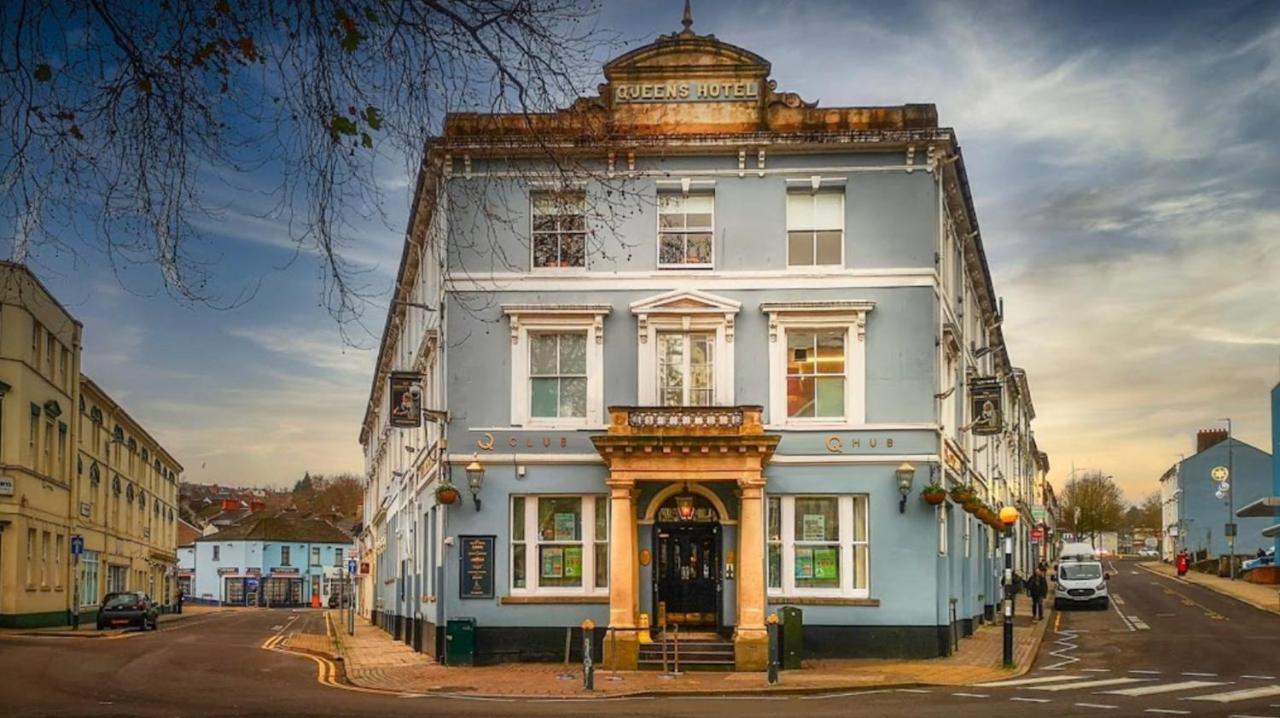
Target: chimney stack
{"type": "Point", "coordinates": [230, 504]}
{"type": "Point", "coordinates": [256, 505]}
{"type": "Point", "coordinates": [1206, 438]}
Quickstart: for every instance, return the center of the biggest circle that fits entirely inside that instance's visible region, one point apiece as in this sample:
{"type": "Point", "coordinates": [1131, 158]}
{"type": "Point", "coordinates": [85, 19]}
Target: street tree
{"type": "Point", "coordinates": [1145, 514]}
{"type": "Point", "coordinates": [1091, 503]}
{"type": "Point", "coordinates": [129, 130]}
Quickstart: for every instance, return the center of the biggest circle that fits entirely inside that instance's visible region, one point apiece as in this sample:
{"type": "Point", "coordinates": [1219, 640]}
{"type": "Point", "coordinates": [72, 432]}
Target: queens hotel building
{"type": "Point", "coordinates": [681, 348]}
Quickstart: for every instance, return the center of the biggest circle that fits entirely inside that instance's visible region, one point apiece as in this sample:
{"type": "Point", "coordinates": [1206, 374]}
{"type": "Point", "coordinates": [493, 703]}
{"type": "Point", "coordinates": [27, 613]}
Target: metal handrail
{"type": "Point", "coordinates": [675, 642]}
{"type": "Point", "coordinates": [611, 637]}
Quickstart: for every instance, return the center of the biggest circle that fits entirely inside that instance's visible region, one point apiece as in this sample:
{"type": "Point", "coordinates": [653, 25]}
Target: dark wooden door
{"type": "Point", "coordinates": [688, 573]}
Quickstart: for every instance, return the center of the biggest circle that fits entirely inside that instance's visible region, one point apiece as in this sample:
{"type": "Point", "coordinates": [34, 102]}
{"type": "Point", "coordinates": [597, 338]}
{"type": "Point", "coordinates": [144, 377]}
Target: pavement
{"type": "Point", "coordinates": [89, 629]}
{"type": "Point", "coordinates": [1163, 648]}
{"type": "Point", "coordinates": [1266, 598]}
{"type": "Point", "coordinates": [372, 659]}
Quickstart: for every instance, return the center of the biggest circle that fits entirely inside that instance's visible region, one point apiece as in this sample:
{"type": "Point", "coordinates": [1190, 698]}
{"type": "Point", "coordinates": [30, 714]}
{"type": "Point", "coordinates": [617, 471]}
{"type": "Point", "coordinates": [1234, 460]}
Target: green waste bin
{"type": "Point", "coordinates": [791, 621]}
{"type": "Point", "coordinates": [460, 642]}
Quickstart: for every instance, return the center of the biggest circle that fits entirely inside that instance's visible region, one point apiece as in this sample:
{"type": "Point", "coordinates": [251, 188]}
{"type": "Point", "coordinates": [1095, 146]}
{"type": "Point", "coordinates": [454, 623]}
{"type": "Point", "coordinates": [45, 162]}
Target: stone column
{"type": "Point", "coordinates": [750, 639]}
{"type": "Point", "coordinates": [622, 649]}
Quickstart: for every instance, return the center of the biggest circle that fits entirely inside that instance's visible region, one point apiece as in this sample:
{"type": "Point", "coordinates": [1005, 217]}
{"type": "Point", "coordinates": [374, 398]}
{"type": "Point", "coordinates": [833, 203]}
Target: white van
{"type": "Point", "coordinates": [1079, 579]}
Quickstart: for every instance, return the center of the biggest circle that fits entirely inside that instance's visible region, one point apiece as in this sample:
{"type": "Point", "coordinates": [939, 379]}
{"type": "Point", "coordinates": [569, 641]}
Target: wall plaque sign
{"type": "Point", "coordinates": [476, 567]}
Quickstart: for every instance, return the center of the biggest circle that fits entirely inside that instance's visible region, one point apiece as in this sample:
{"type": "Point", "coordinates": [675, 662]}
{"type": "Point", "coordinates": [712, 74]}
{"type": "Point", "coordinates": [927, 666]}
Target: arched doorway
{"type": "Point", "coordinates": [687, 580]}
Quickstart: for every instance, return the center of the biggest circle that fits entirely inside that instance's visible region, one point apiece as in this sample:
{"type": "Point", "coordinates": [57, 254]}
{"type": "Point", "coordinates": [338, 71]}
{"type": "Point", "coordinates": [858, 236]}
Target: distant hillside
{"type": "Point", "coordinates": [335, 497]}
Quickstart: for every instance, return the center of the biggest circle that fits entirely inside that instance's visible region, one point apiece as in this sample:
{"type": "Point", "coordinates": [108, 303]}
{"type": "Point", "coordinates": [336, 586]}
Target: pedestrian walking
{"type": "Point", "coordinates": [1037, 589]}
{"type": "Point", "coordinates": [180, 596]}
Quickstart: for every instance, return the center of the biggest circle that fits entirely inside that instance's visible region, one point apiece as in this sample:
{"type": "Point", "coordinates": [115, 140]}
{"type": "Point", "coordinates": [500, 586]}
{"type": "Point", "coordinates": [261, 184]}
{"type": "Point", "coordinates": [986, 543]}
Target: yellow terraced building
{"type": "Point", "coordinates": [73, 463]}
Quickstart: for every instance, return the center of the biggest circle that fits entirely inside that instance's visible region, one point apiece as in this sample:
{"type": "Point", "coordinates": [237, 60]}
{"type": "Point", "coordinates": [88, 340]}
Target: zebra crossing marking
{"type": "Point", "coordinates": [1164, 688]}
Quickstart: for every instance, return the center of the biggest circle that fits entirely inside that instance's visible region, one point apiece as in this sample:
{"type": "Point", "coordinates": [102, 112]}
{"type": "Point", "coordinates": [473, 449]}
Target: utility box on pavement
{"type": "Point", "coordinates": [791, 620]}
{"type": "Point", "coordinates": [460, 642]}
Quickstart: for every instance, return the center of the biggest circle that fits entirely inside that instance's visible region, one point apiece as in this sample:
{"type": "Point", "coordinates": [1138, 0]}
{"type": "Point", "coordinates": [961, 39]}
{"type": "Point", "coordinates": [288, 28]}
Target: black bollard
{"type": "Point", "coordinates": [588, 669]}
{"type": "Point", "coordinates": [774, 648]}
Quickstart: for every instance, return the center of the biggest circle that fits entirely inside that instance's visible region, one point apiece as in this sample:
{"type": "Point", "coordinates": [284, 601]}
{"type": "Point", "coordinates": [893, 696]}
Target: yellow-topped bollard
{"type": "Point", "coordinates": [644, 636]}
{"type": "Point", "coordinates": [588, 625]}
{"type": "Point", "coordinates": [772, 620]}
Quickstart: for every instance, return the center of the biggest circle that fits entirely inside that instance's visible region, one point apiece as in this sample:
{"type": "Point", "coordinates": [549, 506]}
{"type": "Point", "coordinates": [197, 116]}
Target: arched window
{"type": "Point", "coordinates": [128, 492]}
{"type": "Point", "coordinates": [133, 444]}
{"type": "Point", "coordinates": [95, 475]}
{"type": "Point", "coordinates": [118, 434]}
{"type": "Point", "coordinates": [115, 486]}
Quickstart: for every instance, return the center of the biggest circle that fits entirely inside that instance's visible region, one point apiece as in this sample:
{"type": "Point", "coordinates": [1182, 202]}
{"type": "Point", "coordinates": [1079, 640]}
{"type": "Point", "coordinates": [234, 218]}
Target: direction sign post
{"type": "Point", "coordinates": [77, 548]}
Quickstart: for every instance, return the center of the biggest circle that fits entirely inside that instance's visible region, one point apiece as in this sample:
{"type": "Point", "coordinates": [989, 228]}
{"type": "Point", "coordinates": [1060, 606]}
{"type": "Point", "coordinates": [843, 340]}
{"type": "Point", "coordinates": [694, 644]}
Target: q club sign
{"type": "Point", "coordinates": [406, 403]}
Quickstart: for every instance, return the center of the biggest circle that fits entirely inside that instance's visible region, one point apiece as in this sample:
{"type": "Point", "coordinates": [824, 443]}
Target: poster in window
{"type": "Point", "coordinates": [553, 562]}
{"type": "Point", "coordinates": [826, 563]}
{"type": "Point", "coordinates": [814, 527]}
{"type": "Point", "coordinates": [566, 527]}
{"type": "Point", "coordinates": [804, 563]}
{"type": "Point", "coordinates": [573, 562]}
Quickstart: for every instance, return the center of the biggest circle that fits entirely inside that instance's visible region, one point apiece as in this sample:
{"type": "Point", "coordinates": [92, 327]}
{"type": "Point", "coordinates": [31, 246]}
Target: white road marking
{"type": "Point", "coordinates": [1031, 700]}
{"type": "Point", "coordinates": [1243, 695]}
{"type": "Point", "coordinates": [1202, 675]}
{"type": "Point", "coordinates": [913, 690]}
{"type": "Point", "coordinates": [1028, 681]}
{"type": "Point", "coordinates": [847, 694]}
{"type": "Point", "coordinates": [1260, 678]}
{"type": "Point", "coordinates": [1245, 715]}
{"type": "Point", "coordinates": [1149, 673]}
{"type": "Point", "coordinates": [1096, 670]}
{"type": "Point", "coordinates": [1164, 688]}
{"type": "Point", "coordinates": [1118, 599]}
{"type": "Point", "coordinates": [1091, 684]}
{"type": "Point", "coordinates": [971, 695]}
{"type": "Point", "coordinates": [1095, 705]}
{"type": "Point", "coordinates": [1168, 711]}
{"type": "Point", "coordinates": [1139, 623]}
{"type": "Point", "coordinates": [1123, 617]}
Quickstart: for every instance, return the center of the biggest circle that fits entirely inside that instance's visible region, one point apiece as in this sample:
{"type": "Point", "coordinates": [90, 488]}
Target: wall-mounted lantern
{"type": "Point", "coordinates": [475, 479]}
{"type": "Point", "coordinates": [906, 474]}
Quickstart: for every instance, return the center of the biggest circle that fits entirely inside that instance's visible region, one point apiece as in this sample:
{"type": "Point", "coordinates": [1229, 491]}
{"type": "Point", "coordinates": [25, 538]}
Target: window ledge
{"type": "Point", "coordinates": [536, 600]}
{"type": "Point", "coordinates": [825, 601]}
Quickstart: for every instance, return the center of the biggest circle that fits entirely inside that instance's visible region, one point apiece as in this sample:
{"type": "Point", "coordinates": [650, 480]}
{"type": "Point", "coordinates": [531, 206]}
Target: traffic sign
{"type": "Point", "coordinates": [351, 566]}
{"type": "Point", "coordinates": [1037, 534]}
{"type": "Point", "coordinates": [77, 545]}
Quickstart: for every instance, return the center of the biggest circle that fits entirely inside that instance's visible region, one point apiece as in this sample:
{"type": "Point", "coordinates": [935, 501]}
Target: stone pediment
{"type": "Point", "coordinates": [686, 301]}
{"type": "Point", "coordinates": [686, 55]}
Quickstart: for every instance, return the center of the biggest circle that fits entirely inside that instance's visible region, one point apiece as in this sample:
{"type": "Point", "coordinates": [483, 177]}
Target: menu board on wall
{"type": "Point", "coordinates": [476, 567]}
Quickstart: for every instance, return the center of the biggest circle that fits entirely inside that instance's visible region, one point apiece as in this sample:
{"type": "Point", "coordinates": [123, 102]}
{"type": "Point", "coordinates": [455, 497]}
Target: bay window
{"type": "Point", "coordinates": [817, 546]}
{"type": "Point", "coordinates": [559, 544]}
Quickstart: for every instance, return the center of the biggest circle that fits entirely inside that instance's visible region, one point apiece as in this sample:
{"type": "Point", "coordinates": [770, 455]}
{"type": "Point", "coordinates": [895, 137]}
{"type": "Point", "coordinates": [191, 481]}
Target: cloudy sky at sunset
{"type": "Point", "coordinates": [1125, 161]}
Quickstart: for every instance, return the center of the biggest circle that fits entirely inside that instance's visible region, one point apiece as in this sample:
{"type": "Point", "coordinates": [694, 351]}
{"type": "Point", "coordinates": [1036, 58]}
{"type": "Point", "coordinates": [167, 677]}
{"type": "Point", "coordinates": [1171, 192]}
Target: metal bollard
{"type": "Point", "coordinates": [588, 670]}
{"type": "Point", "coordinates": [772, 624]}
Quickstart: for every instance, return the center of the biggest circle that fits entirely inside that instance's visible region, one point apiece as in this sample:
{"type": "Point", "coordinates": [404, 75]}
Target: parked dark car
{"type": "Point", "coordinates": [128, 608]}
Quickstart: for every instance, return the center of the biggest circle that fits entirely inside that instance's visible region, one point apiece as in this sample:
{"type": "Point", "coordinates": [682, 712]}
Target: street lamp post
{"type": "Point", "coordinates": [1229, 529]}
{"type": "Point", "coordinates": [1008, 517]}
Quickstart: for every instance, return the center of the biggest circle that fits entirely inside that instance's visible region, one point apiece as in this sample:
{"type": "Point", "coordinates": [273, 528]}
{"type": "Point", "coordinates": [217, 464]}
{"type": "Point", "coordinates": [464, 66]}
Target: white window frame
{"type": "Point", "coordinates": [532, 572]}
{"type": "Point", "coordinates": [685, 311]}
{"type": "Point", "coordinates": [586, 254]}
{"type": "Point", "coordinates": [817, 186]}
{"type": "Point", "coordinates": [553, 318]}
{"type": "Point", "coordinates": [851, 316]}
{"type": "Point", "coordinates": [846, 506]}
{"type": "Point", "coordinates": [683, 187]}
{"type": "Point", "coordinates": [686, 368]}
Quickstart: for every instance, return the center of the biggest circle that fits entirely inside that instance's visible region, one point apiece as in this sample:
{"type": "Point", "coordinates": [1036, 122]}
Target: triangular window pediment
{"type": "Point", "coordinates": [686, 301]}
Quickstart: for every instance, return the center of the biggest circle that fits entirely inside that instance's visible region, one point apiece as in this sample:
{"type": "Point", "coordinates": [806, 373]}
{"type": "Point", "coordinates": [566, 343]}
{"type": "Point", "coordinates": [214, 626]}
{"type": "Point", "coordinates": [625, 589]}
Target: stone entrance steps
{"type": "Point", "coordinates": [707, 652]}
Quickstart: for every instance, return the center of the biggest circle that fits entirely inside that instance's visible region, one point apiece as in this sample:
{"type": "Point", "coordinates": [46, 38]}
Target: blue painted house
{"type": "Point", "coordinates": [690, 350]}
{"type": "Point", "coordinates": [269, 559]}
{"type": "Point", "coordinates": [1200, 518]}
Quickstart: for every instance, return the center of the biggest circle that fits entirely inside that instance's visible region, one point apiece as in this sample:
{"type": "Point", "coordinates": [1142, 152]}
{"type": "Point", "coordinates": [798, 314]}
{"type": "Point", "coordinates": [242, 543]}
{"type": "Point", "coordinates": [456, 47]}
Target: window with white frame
{"type": "Point", "coordinates": [559, 234]}
{"type": "Point", "coordinates": [818, 545]}
{"type": "Point", "coordinates": [815, 228]}
{"type": "Point", "coordinates": [686, 226]}
{"type": "Point", "coordinates": [559, 544]}
{"type": "Point", "coordinates": [686, 368]}
{"type": "Point", "coordinates": [817, 362]}
{"type": "Point", "coordinates": [558, 375]}
{"type": "Point", "coordinates": [557, 364]}
{"type": "Point", "coordinates": [89, 578]}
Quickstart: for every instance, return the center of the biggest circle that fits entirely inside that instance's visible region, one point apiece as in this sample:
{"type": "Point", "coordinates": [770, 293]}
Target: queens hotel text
{"type": "Point", "coordinates": [687, 353]}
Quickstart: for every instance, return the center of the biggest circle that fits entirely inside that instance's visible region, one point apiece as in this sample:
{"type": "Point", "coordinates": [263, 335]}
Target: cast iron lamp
{"type": "Point", "coordinates": [475, 479]}
{"type": "Point", "coordinates": [1008, 517]}
{"type": "Point", "coordinates": [906, 474]}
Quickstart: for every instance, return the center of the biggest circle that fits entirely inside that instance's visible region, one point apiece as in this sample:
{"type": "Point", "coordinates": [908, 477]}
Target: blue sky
{"type": "Point", "coordinates": [1125, 162]}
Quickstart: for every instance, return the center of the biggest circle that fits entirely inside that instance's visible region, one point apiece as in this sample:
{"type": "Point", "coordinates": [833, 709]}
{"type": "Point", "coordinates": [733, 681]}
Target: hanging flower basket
{"type": "Point", "coordinates": [962, 494]}
{"type": "Point", "coordinates": [933, 494]}
{"type": "Point", "coordinates": [447, 493]}
{"type": "Point", "coordinates": [973, 505]}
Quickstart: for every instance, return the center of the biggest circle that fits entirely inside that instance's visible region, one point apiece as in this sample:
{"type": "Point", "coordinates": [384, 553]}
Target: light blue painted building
{"type": "Point", "coordinates": [268, 559]}
{"type": "Point", "coordinates": [1200, 517]}
{"type": "Point", "coordinates": [691, 341]}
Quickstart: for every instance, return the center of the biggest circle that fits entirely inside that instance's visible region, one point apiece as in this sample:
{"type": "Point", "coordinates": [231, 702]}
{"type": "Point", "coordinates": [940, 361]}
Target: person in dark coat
{"type": "Point", "coordinates": [1037, 589]}
{"type": "Point", "coordinates": [180, 597]}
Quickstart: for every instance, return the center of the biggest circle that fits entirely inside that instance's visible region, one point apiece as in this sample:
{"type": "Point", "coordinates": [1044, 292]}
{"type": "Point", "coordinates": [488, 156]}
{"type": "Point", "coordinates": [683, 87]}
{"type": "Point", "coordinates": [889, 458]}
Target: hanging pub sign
{"type": "Point", "coordinates": [406, 399]}
{"type": "Point", "coordinates": [476, 567]}
{"type": "Point", "coordinates": [984, 402]}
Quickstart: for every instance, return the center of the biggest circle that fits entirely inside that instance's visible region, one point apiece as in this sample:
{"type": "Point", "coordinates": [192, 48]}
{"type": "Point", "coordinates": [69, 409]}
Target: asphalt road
{"type": "Point", "coordinates": [1196, 645]}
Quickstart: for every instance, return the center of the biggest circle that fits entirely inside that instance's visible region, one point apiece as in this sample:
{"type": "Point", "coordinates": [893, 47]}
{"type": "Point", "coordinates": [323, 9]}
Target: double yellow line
{"type": "Point", "coordinates": [326, 669]}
